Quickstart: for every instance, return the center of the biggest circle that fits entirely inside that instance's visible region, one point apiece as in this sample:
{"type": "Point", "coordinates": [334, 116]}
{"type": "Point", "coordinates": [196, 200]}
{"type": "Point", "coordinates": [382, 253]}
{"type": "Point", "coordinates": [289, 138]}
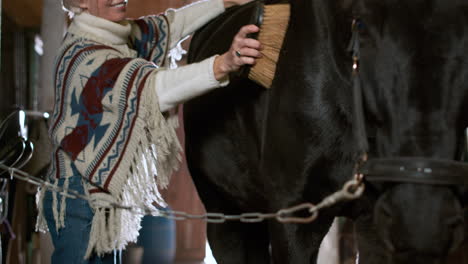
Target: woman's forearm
{"type": "Point", "coordinates": [179, 85]}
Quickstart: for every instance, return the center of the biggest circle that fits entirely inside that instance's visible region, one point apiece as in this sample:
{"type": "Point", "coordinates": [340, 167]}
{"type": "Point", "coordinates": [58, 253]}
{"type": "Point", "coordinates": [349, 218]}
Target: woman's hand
{"type": "Point", "coordinates": [243, 51]}
{"type": "Point", "coordinates": [229, 3]}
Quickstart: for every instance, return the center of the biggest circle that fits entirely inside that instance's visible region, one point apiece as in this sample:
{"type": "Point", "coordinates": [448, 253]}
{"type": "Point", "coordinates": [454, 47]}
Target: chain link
{"type": "Point", "coordinates": [351, 190]}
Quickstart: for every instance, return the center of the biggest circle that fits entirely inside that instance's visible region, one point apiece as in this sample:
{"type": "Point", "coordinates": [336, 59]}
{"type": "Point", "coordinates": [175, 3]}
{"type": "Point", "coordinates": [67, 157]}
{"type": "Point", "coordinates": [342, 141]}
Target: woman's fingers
{"type": "Point", "coordinates": [245, 30]}
{"type": "Point", "coordinates": [244, 50]}
{"type": "Point", "coordinates": [252, 43]}
{"type": "Point", "coordinates": [248, 52]}
{"type": "Point", "coordinates": [247, 60]}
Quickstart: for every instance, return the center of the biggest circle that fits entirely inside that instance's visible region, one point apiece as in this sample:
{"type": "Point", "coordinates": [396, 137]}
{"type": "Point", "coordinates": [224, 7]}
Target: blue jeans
{"type": "Point", "coordinates": [71, 241]}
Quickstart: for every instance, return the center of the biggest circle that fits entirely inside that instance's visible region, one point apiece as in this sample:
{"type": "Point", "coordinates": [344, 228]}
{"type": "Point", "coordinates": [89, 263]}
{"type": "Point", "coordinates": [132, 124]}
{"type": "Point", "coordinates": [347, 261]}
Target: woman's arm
{"type": "Point", "coordinates": [179, 85]}
{"type": "Point", "coordinates": [229, 3]}
{"type": "Point", "coordinates": [188, 19]}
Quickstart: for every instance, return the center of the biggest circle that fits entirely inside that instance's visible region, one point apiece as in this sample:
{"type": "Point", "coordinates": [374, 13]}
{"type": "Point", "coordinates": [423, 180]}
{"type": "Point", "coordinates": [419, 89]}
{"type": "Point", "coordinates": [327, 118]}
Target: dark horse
{"type": "Point", "coordinates": [256, 150]}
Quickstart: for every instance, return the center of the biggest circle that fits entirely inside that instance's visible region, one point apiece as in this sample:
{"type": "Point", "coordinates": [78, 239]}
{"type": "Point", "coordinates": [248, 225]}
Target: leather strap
{"type": "Point", "coordinates": [416, 170]}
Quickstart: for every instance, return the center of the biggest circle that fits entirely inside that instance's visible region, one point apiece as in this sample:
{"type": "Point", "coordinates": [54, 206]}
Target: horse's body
{"type": "Point", "coordinates": [256, 150]}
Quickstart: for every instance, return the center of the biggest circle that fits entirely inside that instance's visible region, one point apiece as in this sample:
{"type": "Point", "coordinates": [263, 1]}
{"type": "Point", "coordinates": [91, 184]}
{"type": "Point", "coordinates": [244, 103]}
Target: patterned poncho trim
{"type": "Point", "coordinates": [107, 127]}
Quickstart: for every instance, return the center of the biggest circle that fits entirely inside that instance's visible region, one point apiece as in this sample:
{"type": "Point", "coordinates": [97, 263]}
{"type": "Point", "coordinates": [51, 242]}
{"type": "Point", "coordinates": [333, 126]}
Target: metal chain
{"type": "Point", "coordinates": [4, 195]}
{"type": "Point", "coordinates": [351, 190]}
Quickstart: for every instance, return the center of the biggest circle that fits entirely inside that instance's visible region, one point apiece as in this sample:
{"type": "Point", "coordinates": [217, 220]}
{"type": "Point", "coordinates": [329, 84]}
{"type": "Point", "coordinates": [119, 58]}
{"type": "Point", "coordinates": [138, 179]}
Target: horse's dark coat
{"type": "Point", "coordinates": [253, 150]}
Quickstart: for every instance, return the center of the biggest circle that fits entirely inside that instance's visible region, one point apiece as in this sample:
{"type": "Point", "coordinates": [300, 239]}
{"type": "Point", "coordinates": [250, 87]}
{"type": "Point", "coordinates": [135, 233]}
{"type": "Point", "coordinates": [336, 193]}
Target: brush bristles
{"type": "Point", "coordinates": [272, 32]}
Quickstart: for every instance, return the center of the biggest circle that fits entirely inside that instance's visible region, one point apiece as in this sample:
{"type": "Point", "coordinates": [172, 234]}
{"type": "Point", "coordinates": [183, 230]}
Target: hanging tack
{"type": "Point", "coordinates": [12, 172]}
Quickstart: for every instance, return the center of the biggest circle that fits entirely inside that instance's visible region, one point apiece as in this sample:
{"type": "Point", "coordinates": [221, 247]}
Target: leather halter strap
{"type": "Point", "coordinates": [415, 170]}
{"type": "Point", "coordinates": [354, 48]}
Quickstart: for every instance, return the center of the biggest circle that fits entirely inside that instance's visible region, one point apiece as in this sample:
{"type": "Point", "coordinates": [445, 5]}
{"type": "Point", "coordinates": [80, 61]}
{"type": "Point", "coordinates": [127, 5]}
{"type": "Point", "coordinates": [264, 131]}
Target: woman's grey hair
{"type": "Point", "coordinates": [72, 6]}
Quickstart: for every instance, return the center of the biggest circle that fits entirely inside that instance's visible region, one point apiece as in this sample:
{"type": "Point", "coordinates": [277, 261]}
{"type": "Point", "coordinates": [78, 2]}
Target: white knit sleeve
{"type": "Point", "coordinates": [188, 19]}
{"type": "Point", "coordinates": [176, 86]}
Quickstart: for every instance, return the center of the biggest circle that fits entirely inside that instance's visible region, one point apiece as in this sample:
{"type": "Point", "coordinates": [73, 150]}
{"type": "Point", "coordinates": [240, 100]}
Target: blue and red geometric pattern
{"type": "Point", "coordinates": [89, 107]}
